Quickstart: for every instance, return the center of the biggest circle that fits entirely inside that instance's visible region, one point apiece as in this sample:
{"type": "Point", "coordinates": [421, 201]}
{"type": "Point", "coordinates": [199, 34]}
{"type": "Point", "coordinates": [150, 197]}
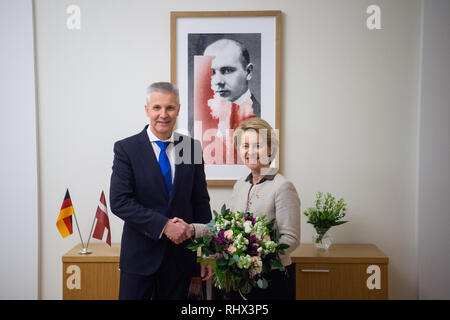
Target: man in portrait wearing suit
{"type": "Point", "coordinates": [231, 71]}
{"type": "Point", "coordinates": [159, 190]}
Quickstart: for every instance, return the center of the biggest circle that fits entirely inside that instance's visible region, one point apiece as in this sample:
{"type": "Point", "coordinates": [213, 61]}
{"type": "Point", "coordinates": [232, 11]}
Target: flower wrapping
{"type": "Point", "coordinates": [241, 248]}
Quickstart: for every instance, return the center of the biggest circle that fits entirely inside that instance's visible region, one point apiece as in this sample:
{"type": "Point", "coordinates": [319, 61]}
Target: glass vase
{"type": "Point", "coordinates": [321, 239]}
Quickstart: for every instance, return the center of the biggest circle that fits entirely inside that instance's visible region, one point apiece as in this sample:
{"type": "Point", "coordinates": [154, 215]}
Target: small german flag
{"type": "Point", "coordinates": [64, 222]}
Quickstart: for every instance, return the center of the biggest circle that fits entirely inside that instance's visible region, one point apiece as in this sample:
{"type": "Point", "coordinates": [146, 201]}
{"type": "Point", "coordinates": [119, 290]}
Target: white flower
{"type": "Point", "coordinates": [240, 242]}
{"type": "Point", "coordinates": [255, 266]}
{"type": "Point", "coordinates": [271, 246]}
{"type": "Point", "coordinates": [221, 223]}
{"type": "Point", "coordinates": [267, 247]}
{"type": "Point", "coordinates": [244, 262]}
{"type": "Point", "coordinates": [236, 223]}
{"type": "Point", "coordinates": [260, 230]}
{"type": "Point", "coordinates": [248, 227]}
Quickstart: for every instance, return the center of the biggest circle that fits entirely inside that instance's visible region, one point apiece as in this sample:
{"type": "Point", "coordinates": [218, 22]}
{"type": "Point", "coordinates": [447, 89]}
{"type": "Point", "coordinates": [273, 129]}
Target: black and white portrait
{"type": "Point", "coordinates": [226, 65]}
{"type": "Point", "coordinates": [232, 76]}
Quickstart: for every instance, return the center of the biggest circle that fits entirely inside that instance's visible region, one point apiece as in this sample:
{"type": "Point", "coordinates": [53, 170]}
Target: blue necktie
{"type": "Point", "coordinates": [165, 165]}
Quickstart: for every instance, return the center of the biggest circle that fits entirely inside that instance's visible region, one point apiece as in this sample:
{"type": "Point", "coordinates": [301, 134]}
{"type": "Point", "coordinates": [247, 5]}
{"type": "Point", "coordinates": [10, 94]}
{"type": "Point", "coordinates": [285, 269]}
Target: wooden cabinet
{"type": "Point", "coordinates": [93, 276]}
{"type": "Point", "coordinates": [345, 271]}
{"type": "Point", "coordinates": [96, 276]}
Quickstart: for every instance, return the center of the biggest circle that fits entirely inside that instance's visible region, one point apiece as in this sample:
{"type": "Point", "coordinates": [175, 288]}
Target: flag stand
{"type": "Point", "coordinates": [85, 249]}
{"type": "Point", "coordinates": [89, 239]}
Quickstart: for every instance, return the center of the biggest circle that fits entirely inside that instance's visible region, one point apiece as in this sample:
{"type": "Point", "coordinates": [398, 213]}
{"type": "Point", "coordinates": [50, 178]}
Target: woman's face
{"type": "Point", "coordinates": [253, 150]}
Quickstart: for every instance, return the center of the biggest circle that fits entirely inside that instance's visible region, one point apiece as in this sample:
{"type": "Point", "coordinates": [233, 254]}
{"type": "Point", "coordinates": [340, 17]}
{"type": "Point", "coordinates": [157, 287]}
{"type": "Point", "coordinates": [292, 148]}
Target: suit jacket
{"type": "Point", "coordinates": [256, 106]}
{"type": "Point", "coordinates": [139, 197]}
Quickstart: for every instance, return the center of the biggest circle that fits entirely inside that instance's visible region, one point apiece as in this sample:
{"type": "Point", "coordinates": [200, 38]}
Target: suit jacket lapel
{"type": "Point", "coordinates": [256, 106]}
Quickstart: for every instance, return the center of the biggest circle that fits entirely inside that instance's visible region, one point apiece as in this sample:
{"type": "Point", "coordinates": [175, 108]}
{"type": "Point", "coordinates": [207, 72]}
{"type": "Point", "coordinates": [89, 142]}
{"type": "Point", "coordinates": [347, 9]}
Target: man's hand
{"type": "Point", "coordinates": [178, 230]}
{"type": "Point", "coordinates": [206, 271]}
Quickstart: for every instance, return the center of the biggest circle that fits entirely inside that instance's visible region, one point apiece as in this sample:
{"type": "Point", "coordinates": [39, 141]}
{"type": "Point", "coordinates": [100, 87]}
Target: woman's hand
{"type": "Point", "coordinates": [206, 271]}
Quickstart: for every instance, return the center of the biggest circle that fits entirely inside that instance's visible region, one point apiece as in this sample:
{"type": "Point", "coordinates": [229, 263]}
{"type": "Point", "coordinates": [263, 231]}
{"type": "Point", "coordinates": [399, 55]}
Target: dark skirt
{"type": "Point", "coordinates": [281, 287]}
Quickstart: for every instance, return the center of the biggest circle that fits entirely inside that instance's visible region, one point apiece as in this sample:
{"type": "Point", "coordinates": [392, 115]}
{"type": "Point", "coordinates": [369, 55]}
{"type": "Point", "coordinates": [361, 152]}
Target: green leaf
{"type": "Point", "coordinates": [327, 212]}
{"type": "Point", "coordinates": [223, 210]}
{"type": "Point", "coordinates": [283, 246]}
{"type": "Point", "coordinates": [209, 261]}
{"type": "Point", "coordinates": [192, 247]}
{"type": "Point", "coordinates": [246, 287]}
{"type": "Point", "coordinates": [222, 262]}
{"type": "Point", "coordinates": [276, 263]}
{"type": "Point", "coordinates": [206, 251]}
{"type": "Point", "coordinates": [340, 222]}
{"type": "Point", "coordinates": [262, 283]}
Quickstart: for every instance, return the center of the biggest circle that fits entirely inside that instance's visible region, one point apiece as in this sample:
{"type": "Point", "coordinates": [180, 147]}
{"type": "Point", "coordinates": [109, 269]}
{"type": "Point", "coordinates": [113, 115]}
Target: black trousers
{"type": "Point", "coordinates": [167, 283]}
{"type": "Point", "coordinates": [281, 287]}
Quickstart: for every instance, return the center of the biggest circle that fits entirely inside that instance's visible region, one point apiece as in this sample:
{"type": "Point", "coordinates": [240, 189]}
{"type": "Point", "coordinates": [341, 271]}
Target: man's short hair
{"type": "Point", "coordinates": [166, 87]}
{"type": "Point", "coordinates": [245, 55]}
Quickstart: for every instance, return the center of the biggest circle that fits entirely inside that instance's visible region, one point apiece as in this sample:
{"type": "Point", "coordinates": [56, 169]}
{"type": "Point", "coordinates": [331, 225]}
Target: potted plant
{"type": "Point", "coordinates": [327, 213]}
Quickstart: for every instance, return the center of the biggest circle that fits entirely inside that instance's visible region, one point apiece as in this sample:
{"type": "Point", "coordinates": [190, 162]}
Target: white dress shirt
{"type": "Point", "coordinates": [170, 151]}
{"type": "Point", "coordinates": [247, 95]}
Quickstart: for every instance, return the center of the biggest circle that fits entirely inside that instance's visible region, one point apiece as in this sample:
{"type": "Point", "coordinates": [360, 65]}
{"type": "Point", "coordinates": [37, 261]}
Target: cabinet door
{"type": "Point", "coordinates": [87, 281]}
{"type": "Point", "coordinates": [341, 281]}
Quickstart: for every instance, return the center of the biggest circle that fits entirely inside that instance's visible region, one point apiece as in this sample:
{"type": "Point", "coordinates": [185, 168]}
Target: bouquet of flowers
{"type": "Point", "coordinates": [327, 213]}
{"type": "Point", "coordinates": [240, 248]}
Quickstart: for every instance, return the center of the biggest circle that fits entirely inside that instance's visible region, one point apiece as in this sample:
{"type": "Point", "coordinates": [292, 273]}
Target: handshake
{"type": "Point", "coordinates": [178, 230]}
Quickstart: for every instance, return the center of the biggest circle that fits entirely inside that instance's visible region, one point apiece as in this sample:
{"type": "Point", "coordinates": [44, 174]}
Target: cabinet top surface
{"type": "Point", "coordinates": [101, 252]}
{"type": "Point", "coordinates": [339, 253]}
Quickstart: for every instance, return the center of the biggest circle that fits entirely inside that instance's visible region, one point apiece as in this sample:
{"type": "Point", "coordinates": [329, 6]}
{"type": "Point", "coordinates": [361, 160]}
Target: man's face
{"type": "Point", "coordinates": [229, 77]}
{"type": "Point", "coordinates": [162, 110]}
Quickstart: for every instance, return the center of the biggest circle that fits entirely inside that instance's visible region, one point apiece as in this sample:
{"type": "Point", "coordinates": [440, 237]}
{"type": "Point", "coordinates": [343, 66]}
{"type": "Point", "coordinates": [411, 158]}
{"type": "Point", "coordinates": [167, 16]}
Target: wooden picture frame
{"type": "Point", "coordinates": [197, 39]}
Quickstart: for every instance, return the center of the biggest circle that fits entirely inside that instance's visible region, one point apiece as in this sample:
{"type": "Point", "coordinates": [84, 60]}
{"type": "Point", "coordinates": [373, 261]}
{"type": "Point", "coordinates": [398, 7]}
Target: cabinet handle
{"type": "Point", "coordinates": [315, 270]}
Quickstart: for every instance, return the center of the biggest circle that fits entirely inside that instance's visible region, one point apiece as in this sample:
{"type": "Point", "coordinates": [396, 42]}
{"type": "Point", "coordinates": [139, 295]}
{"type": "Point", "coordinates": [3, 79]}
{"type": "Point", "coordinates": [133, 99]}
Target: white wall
{"type": "Point", "coordinates": [18, 163]}
{"type": "Point", "coordinates": [349, 113]}
{"type": "Point", "coordinates": [434, 168]}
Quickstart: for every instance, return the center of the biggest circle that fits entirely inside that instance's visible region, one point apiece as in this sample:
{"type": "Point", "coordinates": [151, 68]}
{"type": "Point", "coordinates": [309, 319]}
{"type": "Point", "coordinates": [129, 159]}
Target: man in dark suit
{"type": "Point", "coordinates": [158, 188]}
{"type": "Point", "coordinates": [232, 103]}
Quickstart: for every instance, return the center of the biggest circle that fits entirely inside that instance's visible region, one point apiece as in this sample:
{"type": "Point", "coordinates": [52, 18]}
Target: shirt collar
{"type": "Point", "coordinates": [246, 96]}
{"type": "Point", "coordinates": [154, 138]}
{"type": "Point", "coordinates": [270, 176]}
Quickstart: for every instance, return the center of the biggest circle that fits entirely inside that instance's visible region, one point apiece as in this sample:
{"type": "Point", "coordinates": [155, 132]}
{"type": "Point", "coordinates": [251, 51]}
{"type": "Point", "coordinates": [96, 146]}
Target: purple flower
{"type": "Point", "coordinates": [252, 239]}
{"type": "Point", "coordinates": [250, 218]}
{"type": "Point", "coordinates": [252, 245]}
{"type": "Point", "coordinates": [253, 249]}
{"type": "Point", "coordinates": [220, 239]}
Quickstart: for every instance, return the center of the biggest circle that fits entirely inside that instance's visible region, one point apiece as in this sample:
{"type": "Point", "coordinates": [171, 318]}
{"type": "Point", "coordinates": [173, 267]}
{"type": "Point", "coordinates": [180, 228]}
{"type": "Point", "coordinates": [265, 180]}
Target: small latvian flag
{"type": "Point", "coordinates": [64, 222]}
{"type": "Point", "coordinates": [102, 221]}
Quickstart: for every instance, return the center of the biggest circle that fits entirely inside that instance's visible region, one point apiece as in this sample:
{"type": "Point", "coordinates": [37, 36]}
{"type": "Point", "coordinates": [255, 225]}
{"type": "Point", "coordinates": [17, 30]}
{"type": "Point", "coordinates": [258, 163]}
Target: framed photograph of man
{"type": "Point", "coordinates": [227, 68]}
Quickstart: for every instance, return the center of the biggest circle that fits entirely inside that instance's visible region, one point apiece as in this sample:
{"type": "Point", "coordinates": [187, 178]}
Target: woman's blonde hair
{"type": "Point", "coordinates": [263, 128]}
